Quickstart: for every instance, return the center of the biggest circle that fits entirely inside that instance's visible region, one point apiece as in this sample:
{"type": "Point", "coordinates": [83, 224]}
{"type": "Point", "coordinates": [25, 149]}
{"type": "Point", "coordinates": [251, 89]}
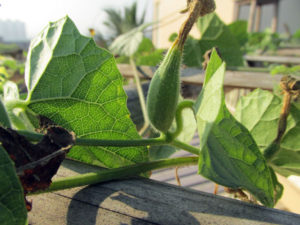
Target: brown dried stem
{"type": "Point", "coordinates": [291, 89]}
{"type": "Point", "coordinates": [196, 8]}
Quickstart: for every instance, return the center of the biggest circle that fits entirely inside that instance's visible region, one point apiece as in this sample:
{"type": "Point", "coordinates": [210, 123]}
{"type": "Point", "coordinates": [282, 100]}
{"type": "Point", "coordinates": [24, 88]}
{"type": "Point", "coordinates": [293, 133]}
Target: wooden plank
{"type": "Point", "coordinates": [286, 51]}
{"type": "Point", "coordinates": [275, 17]}
{"type": "Point", "coordinates": [144, 201]}
{"type": "Point", "coordinates": [236, 11]}
{"type": "Point", "coordinates": [257, 18]}
{"type": "Point", "coordinates": [273, 59]}
{"type": "Point", "coordinates": [251, 15]}
{"type": "Point", "coordinates": [239, 79]}
{"type": "Point", "coordinates": [291, 197]}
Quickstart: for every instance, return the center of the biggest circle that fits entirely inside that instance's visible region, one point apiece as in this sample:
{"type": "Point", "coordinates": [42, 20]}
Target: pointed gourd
{"type": "Point", "coordinates": [164, 90]}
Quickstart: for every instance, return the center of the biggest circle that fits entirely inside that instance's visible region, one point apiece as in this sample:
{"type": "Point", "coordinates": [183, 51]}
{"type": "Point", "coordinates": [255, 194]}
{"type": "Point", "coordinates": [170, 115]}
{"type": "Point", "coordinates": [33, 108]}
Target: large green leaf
{"type": "Point", "coordinates": [78, 86]}
{"type": "Point", "coordinates": [214, 33]}
{"type": "Point", "coordinates": [12, 203]}
{"type": "Point", "coordinates": [259, 112]}
{"type": "Point", "coordinates": [239, 30]}
{"type": "Point", "coordinates": [228, 154]}
{"type": "Point", "coordinates": [193, 53]}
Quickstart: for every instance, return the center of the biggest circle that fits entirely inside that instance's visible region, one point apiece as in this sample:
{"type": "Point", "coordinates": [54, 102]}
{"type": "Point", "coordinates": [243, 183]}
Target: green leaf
{"type": "Point", "coordinates": [209, 102]}
{"type": "Point", "coordinates": [10, 91]}
{"type": "Point", "coordinates": [12, 204]}
{"type": "Point", "coordinates": [3, 74]}
{"type": "Point", "coordinates": [259, 112]}
{"type": "Point", "coordinates": [4, 120]}
{"type": "Point", "coordinates": [189, 126]}
{"type": "Point", "coordinates": [214, 33]}
{"type": "Point", "coordinates": [228, 154]}
{"type": "Point", "coordinates": [152, 58]}
{"type": "Point", "coordinates": [78, 86]}
{"type": "Point", "coordinates": [128, 44]}
{"type": "Point", "coordinates": [282, 69]}
{"type": "Point", "coordinates": [16, 114]}
{"type": "Point", "coordinates": [161, 152]}
{"type": "Point", "coordinates": [263, 41]}
{"type": "Point", "coordinates": [193, 53]}
{"type": "Point", "coordinates": [213, 65]}
{"type": "Point", "coordinates": [146, 45]}
{"type": "Point", "coordinates": [146, 55]}
{"type": "Point", "coordinates": [239, 30]}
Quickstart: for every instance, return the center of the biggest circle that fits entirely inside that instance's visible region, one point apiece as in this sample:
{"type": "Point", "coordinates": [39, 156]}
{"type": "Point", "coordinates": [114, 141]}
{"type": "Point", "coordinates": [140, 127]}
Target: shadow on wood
{"type": "Point", "coordinates": [144, 201]}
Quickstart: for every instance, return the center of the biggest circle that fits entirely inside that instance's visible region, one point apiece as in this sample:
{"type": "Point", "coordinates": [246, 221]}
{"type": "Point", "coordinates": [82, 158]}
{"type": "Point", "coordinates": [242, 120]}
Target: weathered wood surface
{"type": "Point", "coordinates": [144, 201]}
{"type": "Point", "coordinates": [239, 79]}
{"type": "Point", "coordinates": [295, 51]}
{"type": "Point", "coordinates": [273, 59]}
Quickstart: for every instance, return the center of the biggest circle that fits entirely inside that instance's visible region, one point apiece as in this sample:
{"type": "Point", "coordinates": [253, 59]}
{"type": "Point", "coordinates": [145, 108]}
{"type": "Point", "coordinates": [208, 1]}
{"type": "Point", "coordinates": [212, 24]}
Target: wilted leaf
{"type": "Point", "coordinates": [78, 86]}
{"type": "Point", "coordinates": [36, 164]}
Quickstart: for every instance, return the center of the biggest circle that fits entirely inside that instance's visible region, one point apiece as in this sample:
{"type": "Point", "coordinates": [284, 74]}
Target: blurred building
{"type": "Point", "coordinates": [12, 31]}
{"type": "Point", "coordinates": [167, 12]}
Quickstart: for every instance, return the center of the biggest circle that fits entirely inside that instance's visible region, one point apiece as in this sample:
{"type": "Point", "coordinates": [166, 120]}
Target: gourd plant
{"type": "Point", "coordinates": [75, 89]}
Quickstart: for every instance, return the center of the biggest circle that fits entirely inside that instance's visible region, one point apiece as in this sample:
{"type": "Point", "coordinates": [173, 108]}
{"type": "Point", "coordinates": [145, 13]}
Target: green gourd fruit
{"type": "Point", "coordinates": [164, 90]}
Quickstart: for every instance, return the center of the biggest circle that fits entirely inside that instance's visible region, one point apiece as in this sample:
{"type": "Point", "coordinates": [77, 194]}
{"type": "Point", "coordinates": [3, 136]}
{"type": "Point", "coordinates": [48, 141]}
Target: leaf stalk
{"type": "Point", "coordinates": [116, 174]}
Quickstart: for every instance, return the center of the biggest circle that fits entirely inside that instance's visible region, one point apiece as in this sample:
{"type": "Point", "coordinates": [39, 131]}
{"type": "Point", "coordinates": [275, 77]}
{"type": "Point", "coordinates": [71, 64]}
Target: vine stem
{"type": "Point", "coordinates": [185, 146]}
{"type": "Point", "coordinates": [31, 136]}
{"type": "Point", "coordinates": [140, 94]}
{"type": "Point", "coordinates": [179, 117]}
{"type": "Point", "coordinates": [116, 174]}
{"type": "Point", "coordinates": [162, 140]}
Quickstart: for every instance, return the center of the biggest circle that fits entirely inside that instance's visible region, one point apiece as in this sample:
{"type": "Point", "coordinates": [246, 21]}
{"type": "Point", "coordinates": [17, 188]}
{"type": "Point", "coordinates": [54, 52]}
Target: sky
{"type": "Point", "coordinates": [85, 13]}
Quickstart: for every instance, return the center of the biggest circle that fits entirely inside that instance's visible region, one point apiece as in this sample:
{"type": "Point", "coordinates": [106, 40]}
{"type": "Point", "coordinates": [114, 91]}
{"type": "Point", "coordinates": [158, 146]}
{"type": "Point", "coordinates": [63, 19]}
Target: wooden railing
{"type": "Point", "coordinates": [144, 202]}
{"type": "Point", "coordinates": [237, 79]}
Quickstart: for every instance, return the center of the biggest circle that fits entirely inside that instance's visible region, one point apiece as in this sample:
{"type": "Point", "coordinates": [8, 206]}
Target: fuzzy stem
{"type": "Point", "coordinates": [140, 94]}
{"type": "Point", "coordinates": [116, 174]}
{"type": "Point", "coordinates": [162, 140]}
{"type": "Point", "coordinates": [196, 8]}
{"type": "Point", "coordinates": [189, 23]}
